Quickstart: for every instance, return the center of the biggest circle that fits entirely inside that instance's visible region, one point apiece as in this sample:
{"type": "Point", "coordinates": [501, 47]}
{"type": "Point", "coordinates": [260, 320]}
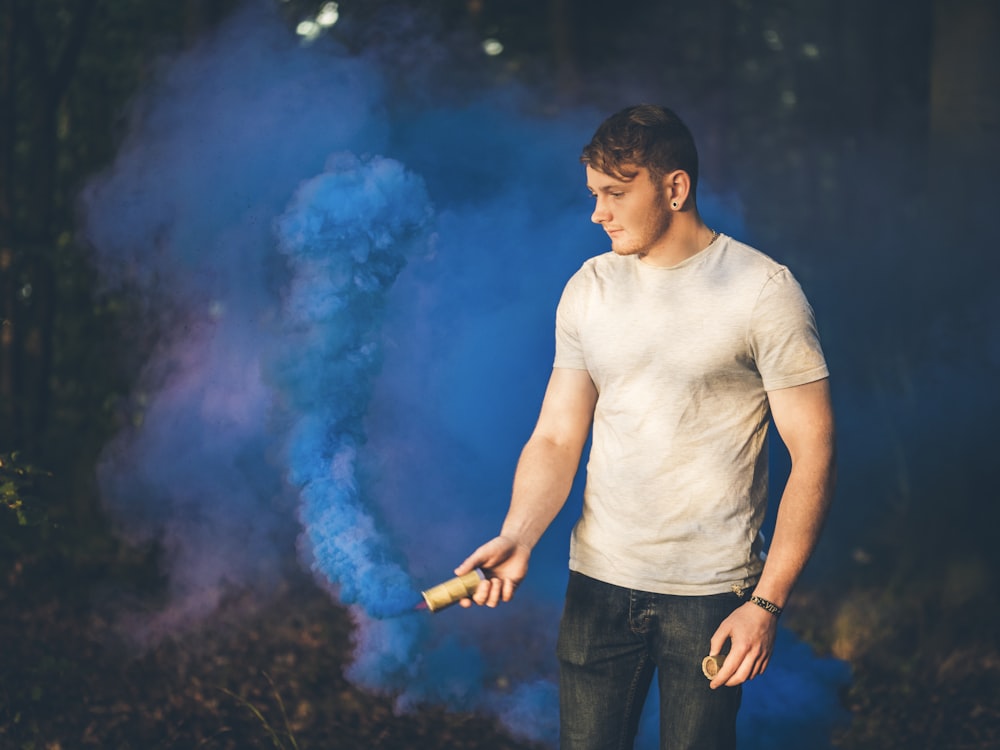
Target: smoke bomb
{"type": "Point", "coordinates": [451, 591]}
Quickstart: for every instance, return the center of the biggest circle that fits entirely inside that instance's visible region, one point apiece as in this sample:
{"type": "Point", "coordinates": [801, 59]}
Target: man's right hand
{"type": "Point", "coordinates": [504, 562]}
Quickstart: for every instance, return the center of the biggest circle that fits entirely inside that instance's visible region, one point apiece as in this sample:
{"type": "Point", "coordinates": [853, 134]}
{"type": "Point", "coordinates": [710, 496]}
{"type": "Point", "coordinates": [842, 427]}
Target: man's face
{"type": "Point", "coordinates": [633, 212]}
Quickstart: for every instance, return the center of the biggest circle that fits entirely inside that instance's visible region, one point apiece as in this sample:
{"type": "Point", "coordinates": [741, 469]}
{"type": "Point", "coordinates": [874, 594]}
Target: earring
{"type": "Point", "coordinates": [674, 205]}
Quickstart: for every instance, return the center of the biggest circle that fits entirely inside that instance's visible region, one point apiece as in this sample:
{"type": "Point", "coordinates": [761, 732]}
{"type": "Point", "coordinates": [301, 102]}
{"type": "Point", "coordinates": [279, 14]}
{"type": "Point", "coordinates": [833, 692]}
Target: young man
{"type": "Point", "coordinates": [676, 349]}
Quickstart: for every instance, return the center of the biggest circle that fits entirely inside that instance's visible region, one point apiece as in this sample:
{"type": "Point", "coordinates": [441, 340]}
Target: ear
{"type": "Point", "coordinates": [677, 188]}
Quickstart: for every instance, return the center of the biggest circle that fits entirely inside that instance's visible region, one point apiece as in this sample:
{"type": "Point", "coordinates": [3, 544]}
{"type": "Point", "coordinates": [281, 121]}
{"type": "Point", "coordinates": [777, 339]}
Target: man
{"type": "Point", "coordinates": [676, 349]}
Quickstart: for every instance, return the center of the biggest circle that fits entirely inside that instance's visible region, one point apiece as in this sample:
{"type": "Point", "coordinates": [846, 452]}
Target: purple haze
{"type": "Point", "coordinates": [354, 301]}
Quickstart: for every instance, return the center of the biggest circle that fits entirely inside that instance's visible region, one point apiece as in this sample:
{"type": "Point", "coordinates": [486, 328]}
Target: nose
{"type": "Point", "coordinates": [601, 213]}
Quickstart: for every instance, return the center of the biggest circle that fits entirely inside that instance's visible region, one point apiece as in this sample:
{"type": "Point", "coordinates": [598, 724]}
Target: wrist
{"type": "Point", "coordinates": [516, 541]}
{"type": "Point", "coordinates": [766, 605]}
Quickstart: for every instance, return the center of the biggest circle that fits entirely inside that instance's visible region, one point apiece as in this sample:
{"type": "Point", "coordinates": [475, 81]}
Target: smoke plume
{"type": "Point", "coordinates": [353, 296]}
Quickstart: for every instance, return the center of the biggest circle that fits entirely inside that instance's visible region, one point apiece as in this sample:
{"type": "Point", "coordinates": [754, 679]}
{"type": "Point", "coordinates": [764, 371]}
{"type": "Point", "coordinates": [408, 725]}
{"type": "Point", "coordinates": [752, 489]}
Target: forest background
{"type": "Point", "coordinates": [866, 132]}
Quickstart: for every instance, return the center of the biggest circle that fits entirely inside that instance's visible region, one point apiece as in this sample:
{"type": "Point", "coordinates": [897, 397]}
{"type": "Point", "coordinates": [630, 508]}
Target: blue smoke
{"type": "Point", "coordinates": [353, 298]}
{"type": "Point", "coordinates": [345, 238]}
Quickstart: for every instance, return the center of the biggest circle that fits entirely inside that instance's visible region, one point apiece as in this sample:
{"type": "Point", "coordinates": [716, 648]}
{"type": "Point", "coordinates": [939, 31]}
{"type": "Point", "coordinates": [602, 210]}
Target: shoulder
{"type": "Point", "coordinates": [600, 270]}
{"type": "Point", "coordinates": [741, 256]}
{"type": "Point", "coordinates": [604, 264]}
{"type": "Point", "coordinates": [754, 273]}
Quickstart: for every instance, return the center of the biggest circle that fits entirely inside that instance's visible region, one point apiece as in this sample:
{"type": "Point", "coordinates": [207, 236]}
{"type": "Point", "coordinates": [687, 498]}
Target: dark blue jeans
{"type": "Point", "coordinates": [612, 640]}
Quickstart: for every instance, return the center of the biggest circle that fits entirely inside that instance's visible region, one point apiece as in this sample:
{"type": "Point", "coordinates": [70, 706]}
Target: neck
{"type": "Point", "coordinates": [686, 236]}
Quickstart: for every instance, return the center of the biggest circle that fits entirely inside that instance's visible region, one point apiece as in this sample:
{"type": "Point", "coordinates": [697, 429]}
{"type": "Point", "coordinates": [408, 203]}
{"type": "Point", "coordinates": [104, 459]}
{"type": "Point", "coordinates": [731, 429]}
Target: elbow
{"type": "Point", "coordinates": [562, 444]}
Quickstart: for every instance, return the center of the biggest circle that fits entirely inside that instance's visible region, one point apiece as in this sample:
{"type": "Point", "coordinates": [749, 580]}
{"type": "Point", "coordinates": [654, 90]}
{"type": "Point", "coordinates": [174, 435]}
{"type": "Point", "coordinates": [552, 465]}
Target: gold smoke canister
{"type": "Point", "coordinates": [711, 665]}
{"type": "Point", "coordinates": [447, 593]}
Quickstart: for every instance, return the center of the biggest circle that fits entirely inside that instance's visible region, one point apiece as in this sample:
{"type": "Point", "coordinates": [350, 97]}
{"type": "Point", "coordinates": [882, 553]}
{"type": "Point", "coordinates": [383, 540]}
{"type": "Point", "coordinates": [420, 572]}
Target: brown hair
{"type": "Point", "coordinates": [647, 136]}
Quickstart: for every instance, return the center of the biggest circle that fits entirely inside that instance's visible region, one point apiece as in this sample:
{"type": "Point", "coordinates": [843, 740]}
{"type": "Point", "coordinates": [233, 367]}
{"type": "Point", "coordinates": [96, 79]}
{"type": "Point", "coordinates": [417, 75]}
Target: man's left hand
{"type": "Point", "coordinates": [751, 631]}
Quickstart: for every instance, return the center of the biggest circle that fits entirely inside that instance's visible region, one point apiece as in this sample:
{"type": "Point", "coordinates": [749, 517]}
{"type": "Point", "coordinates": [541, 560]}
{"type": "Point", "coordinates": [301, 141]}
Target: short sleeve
{"type": "Point", "coordinates": [783, 337]}
{"type": "Point", "coordinates": [569, 351]}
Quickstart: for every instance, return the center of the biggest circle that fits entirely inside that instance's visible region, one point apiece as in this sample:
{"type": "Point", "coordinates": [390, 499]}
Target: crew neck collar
{"type": "Point", "coordinates": [710, 247]}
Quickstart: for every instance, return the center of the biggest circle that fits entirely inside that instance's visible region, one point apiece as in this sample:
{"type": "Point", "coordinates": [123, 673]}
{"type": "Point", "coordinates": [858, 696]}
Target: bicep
{"type": "Point", "coordinates": [803, 416]}
{"type": "Point", "coordinates": [567, 409]}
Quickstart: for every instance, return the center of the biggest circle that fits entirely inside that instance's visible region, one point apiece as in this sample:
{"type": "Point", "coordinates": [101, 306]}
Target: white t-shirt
{"type": "Point", "coordinates": [682, 358]}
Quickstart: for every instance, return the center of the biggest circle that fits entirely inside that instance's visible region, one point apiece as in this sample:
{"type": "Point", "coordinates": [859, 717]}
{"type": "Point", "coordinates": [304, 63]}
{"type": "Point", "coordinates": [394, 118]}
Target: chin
{"type": "Point", "coordinates": [625, 250]}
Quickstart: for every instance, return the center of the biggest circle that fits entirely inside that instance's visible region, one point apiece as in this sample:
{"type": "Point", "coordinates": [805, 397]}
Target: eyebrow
{"type": "Point", "coordinates": [609, 188]}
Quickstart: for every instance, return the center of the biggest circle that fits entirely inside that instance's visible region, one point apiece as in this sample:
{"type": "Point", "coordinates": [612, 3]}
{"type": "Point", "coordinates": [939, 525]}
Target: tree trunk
{"type": "Point", "coordinates": [26, 265]}
{"type": "Point", "coordinates": [560, 23]}
{"type": "Point", "coordinates": [11, 427]}
{"type": "Point", "coordinates": [965, 74]}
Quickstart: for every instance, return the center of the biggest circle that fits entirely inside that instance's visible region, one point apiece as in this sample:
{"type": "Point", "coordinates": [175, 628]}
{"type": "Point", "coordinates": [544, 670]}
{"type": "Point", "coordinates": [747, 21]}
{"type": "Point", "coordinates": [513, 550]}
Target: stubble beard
{"type": "Point", "coordinates": [652, 233]}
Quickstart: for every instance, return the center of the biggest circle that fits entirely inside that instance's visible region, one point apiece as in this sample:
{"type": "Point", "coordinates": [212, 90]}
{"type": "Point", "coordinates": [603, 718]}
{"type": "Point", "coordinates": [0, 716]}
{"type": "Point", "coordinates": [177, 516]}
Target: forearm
{"type": "Point", "coordinates": [542, 482]}
{"type": "Point", "coordinates": [804, 417]}
{"type": "Point", "coordinates": [803, 508]}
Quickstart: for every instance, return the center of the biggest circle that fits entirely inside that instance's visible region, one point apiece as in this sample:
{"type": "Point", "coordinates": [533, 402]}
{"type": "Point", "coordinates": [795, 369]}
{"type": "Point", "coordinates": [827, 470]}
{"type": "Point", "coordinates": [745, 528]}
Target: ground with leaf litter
{"type": "Point", "coordinates": [256, 677]}
{"type": "Point", "coordinates": [270, 674]}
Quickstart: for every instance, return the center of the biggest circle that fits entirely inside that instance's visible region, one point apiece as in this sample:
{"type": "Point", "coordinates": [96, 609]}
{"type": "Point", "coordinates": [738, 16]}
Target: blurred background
{"type": "Point", "coordinates": [159, 165]}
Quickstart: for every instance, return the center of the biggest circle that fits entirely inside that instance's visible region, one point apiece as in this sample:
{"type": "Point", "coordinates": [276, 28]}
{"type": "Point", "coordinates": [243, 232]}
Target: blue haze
{"type": "Point", "coordinates": [354, 297]}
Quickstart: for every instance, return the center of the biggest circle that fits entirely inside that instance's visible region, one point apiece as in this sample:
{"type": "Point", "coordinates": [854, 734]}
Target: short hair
{"type": "Point", "coordinates": [647, 136]}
